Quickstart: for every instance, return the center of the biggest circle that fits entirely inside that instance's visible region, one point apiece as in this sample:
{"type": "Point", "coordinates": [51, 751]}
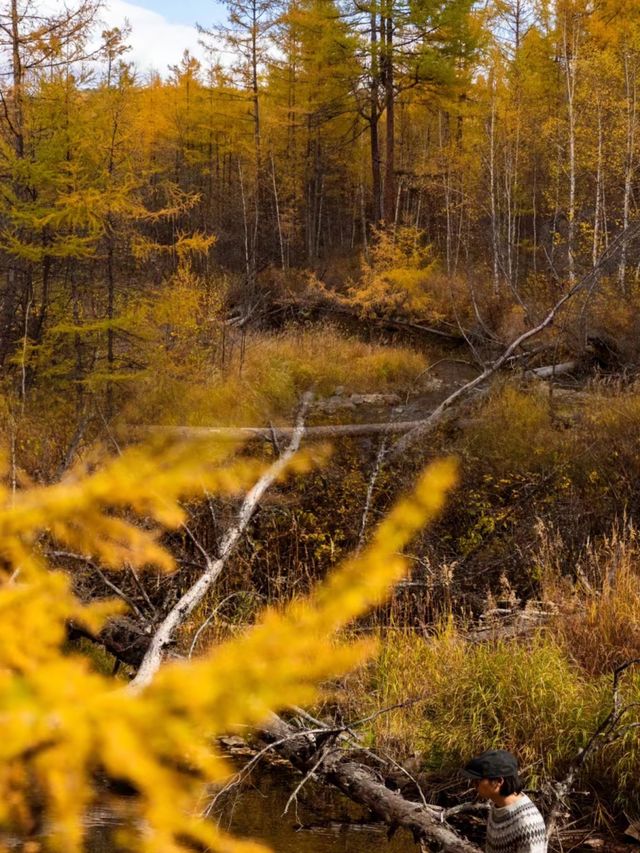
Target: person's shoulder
{"type": "Point", "coordinates": [526, 800]}
{"type": "Point", "coordinates": [521, 809]}
{"type": "Point", "coordinates": [528, 810]}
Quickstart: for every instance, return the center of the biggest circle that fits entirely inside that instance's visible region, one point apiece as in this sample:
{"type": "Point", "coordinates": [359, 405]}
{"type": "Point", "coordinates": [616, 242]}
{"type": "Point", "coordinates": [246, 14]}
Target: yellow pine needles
{"type": "Point", "coordinates": [63, 723]}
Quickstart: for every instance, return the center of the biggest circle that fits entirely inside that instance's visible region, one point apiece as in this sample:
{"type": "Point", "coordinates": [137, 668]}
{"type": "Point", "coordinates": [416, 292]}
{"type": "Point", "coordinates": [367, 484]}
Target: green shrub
{"type": "Point", "coordinates": [523, 695]}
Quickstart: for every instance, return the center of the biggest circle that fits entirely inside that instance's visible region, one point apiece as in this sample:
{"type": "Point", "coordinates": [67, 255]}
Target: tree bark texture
{"type": "Point", "coordinates": [362, 785]}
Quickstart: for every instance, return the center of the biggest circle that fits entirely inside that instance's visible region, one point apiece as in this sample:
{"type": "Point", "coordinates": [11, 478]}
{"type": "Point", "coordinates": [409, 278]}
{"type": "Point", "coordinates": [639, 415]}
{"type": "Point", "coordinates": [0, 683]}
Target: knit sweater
{"type": "Point", "coordinates": [517, 828]}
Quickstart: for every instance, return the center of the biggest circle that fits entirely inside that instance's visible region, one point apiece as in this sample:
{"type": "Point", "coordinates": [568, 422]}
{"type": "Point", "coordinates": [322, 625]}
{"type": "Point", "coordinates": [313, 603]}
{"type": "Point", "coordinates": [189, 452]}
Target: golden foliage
{"type": "Point", "coordinates": [397, 279]}
{"type": "Point", "coordinates": [63, 723]}
{"type": "Point", "coordinates": [260, 380]}
{"type": "Point", "coordinates": [598, 619]}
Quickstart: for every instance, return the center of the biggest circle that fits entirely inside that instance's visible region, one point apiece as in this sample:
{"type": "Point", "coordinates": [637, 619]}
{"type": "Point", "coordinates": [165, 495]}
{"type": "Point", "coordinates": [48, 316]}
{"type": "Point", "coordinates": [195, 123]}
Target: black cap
{"type": "Point", "coordinates": [492, 764]}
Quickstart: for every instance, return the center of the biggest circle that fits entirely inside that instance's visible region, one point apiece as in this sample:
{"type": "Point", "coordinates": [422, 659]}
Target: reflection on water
{"type": "Point", "coordinates": [321, 821]}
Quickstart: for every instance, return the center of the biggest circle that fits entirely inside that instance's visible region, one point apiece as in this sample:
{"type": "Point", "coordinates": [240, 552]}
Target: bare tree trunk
{"type": "Point", "coordinates": [511, 181]}
{"type": "Point", "coordinates": [317, 752]}
{"type": "Point", "coordinates": [553, 241]}
{"type": "Point", "coordinates": [386, 29]}
{"type": "Point", "coordinates": [396, 216]}
{"type": "Point", "coordinates": [446, 187]}
{"type": "Point", "coordinates": [570, 57]}
{"type": "Point", "coordinates": [319, 218]}
{"type": "Point", "coordinates": [374, 116]}
{"type": "Point", "coordinates": [275, 195]}
{"type": "Point", "coordinates": [248, 257]}
{"type": "Point", "coordinates": [534, 214]}
{"type": "Point", "coordinates": [110, 315]}
{"type": "Point", "coordinates": [18, 79]}
{"type": "Point", "coordinates": [255, 95]}
{"type": "Point", "coordinates": [23, 357]}
{"type": "Point", "coordinates": [363, 218]}
{"type": "Point", "coordinates": [631, 99]}
{"type": "Point", "coordinates": [185, 606]}
{"type": "Point", "coordinates": [492, 193]}
{"type": "Point", "coordinates": [597, 212]}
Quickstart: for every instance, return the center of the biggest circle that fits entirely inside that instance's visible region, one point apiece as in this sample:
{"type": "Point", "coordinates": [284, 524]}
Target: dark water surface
{"type": "Point", "coordinates": [321, 821]}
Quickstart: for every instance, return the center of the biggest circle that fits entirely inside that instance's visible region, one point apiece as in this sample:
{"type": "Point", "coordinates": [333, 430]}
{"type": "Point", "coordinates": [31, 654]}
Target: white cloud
{"type": "Point", "coordinates": [155, 41]}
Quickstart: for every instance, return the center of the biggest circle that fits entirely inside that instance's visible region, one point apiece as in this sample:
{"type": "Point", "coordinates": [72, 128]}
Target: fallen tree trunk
{"type": "Point", "coordinates": [269, 433]}
{"type": "Point", "coordinates": [318, 755]}
{"type": "Point", "coordinates": [163, 634]}
{"type": "Point", "coordinates": [359, 783]}
{"type": "Point", "coordinates": [551, 370]}
{"type": "Point", "coordinates": [329, 431]}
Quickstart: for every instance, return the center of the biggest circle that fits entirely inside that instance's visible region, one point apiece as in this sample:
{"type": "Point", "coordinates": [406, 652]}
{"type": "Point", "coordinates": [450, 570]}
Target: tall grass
{"type": "Point", "coordinates": [263, 379]}
{"type": "Point", "coordinates": [521, 696]}
{"type": "Point", "coordinates": [599, 609]}
{"type": "Point", "coordinates": [524, 695]}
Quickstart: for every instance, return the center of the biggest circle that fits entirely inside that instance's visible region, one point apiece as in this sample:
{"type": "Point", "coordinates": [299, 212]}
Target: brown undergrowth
{"type": "Point", "coordinates": [541, 694]}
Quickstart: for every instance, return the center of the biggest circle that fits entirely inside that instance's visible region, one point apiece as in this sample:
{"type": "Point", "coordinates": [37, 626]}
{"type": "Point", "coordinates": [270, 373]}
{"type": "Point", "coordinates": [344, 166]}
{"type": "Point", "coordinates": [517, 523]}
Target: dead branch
{"type": "Point", "coordinates": [551, 370]}
{"type": "Point", "coordinates": [606, 733]}
{"type": "Point", "coordinates": [362, 784]}
{"type": "Point", "coordinates": [370, 487]}
{"type": "Point", "coordinates": [242, 774]}
{"type": "Point", "coordinates": [70, 555]}
{"type": "Point", "coordinates": [164, 633]}
{"type": "Point", "coordinates": [310, 774]}
{"type": "Point", "coordinates": [435, 417]}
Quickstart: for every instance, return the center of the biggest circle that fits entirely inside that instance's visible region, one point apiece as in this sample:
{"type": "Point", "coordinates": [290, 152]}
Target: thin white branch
{"type": "Point", "coordinates": [403, 444]}
{"type": "Point", "coordinates": [194, 595]}
{"type": "Point", "coordinates": [281, 433]}
{"type": "Point", "coordinates": [372, 483]}
{"type": "Point", "coordinates": [310, 774]}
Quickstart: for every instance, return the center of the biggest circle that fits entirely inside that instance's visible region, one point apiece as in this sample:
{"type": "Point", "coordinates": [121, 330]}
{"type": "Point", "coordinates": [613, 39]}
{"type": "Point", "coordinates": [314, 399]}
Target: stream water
{"type": "Point", "coordinates": [320, 821]}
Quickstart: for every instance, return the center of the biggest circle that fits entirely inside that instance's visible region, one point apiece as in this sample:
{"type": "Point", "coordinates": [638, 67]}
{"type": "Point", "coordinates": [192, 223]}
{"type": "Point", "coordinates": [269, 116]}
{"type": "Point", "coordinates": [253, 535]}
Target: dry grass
{"type": "Point", "coordinates": [523, 696]}
{"type": "Point", "coordinates": [599, 612]}
{"type": "Point", "coordinates": [514, 431]}
{"type": "Point", "coordinates": [527, 696]}
{"type": "Point", "coordinates": [264, 379]}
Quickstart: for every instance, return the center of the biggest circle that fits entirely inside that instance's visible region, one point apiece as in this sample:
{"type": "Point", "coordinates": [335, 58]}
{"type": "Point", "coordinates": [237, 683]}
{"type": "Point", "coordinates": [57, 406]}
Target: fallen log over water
{"type": "Point", "coordinates": [280, 433]}
{"type": "Point", "coordinates": [320, 755]}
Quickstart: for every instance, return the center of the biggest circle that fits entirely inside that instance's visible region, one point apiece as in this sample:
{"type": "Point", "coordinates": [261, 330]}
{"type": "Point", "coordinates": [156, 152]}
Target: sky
{"type": "Point", "coordinates": [162, 29]}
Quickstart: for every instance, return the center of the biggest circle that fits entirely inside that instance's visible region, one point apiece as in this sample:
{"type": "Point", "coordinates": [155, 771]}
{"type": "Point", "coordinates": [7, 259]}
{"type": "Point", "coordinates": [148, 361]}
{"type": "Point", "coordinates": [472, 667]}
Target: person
{"type": "Point", "coordinates": [515, 825]}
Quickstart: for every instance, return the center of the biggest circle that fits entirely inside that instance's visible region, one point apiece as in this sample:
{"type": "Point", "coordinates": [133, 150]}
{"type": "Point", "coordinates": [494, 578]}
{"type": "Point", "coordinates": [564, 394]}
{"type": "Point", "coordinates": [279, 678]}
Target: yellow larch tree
{"type": "Point", "coordinates": [64, 723]}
